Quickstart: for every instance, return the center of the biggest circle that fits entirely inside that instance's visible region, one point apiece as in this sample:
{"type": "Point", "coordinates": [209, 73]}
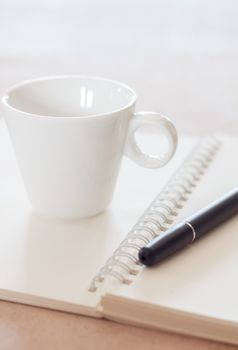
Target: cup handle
{"type": "Point", "coordinates": [133, 151]}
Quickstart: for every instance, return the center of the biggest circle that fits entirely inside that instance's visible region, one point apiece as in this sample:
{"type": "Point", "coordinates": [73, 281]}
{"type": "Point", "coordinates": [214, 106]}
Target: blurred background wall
{"type": "Point", "coordinates": [180, 56]}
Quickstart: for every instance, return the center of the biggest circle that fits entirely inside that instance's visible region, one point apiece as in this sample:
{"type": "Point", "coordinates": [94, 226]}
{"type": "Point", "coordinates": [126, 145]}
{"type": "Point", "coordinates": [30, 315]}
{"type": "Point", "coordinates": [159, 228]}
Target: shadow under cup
{"type": "Point", "coordinates": [69, 134]}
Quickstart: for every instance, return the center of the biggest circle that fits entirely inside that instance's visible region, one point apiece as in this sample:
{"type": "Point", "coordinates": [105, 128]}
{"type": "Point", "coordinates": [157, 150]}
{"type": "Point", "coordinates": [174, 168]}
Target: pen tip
{"type": "Point", "coordinates": [144, 256]}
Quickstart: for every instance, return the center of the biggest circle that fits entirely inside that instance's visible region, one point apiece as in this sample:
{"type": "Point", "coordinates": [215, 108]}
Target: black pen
{"type": "Point", "coordinates": [191, 229]}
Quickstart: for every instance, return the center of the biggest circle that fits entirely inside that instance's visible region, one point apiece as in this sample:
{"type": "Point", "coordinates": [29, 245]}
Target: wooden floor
{"type": "Point", "coordinates": [182, 59]}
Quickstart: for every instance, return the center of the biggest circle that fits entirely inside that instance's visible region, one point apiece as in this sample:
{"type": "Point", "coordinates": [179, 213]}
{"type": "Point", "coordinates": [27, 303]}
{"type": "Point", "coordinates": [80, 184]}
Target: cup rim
{"type": "Point", "coordinates": [70, 76]}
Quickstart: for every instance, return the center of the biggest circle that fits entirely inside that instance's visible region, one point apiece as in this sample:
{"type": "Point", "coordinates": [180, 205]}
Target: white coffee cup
{"type": "Point", "coordinates": [69, 134]}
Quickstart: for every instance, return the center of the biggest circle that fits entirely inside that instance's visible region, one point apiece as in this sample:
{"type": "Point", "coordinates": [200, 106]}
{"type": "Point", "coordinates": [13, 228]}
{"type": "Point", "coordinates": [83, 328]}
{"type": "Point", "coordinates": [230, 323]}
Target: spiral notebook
{"type": "Point", "coordinates": [90, 266]}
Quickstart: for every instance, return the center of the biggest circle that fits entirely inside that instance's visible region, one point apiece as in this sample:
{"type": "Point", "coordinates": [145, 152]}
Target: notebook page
{"type": "Point", "coordinates": [51, 262]}
{"type": "Point", "coordinates": [202, 278]}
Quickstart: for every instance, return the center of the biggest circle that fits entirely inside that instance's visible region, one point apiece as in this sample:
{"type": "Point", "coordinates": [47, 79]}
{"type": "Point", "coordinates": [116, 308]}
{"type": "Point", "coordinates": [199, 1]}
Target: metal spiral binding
{"type": "Point", "coordinates": [124, 263]}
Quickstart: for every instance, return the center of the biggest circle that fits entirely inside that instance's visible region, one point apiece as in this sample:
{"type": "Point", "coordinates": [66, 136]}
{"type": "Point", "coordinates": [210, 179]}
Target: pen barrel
{"type": "Point", "coordinates": [215, 214]}
{"type": "Point", "coordinates": [194, 227]}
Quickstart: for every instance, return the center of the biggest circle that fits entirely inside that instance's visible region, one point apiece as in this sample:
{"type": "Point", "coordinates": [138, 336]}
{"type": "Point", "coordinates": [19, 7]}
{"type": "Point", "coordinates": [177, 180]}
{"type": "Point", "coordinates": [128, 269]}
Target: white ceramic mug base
{"type": "Point", "coordinates": [70, 133]}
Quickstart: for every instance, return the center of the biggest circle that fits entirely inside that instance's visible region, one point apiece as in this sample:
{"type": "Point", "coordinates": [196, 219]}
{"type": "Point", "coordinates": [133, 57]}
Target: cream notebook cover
{"type": "Point", "coordinates": [90, 267]}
